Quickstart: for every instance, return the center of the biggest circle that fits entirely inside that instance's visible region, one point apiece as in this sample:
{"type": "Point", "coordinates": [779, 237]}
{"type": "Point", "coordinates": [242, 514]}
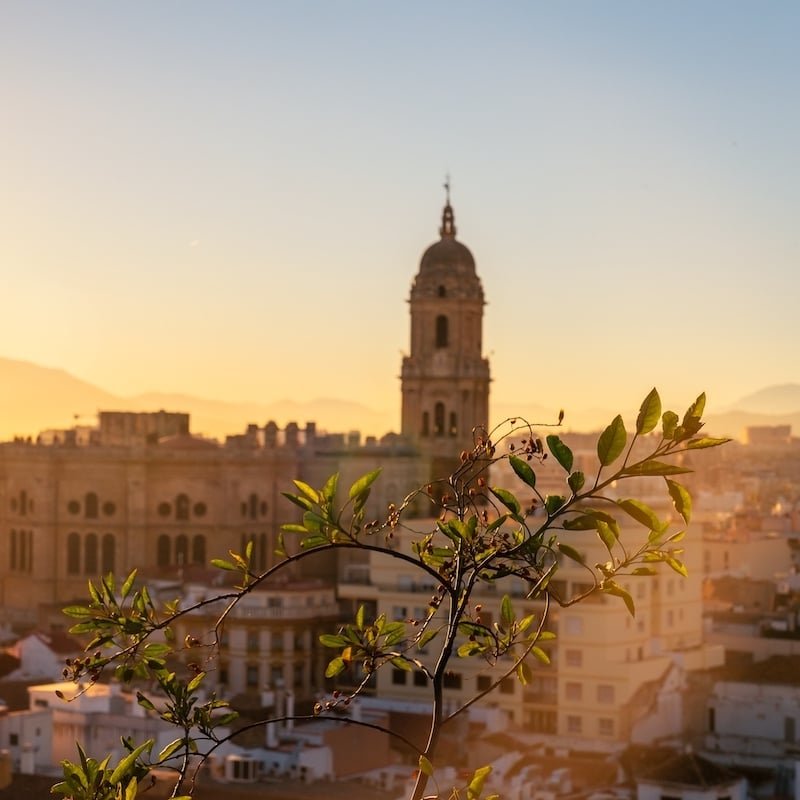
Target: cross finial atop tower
{"type": "Point", "coordinates": [448, 228]}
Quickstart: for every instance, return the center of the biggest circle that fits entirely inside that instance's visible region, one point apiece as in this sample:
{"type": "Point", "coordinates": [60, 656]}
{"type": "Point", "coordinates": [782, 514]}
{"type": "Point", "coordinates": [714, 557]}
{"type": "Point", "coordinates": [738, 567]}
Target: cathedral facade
{"type": "Point", "coordinates": [141, 491]}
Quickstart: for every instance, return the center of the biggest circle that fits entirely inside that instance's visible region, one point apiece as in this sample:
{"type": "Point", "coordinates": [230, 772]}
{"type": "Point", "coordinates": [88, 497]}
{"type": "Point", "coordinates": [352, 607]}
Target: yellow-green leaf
{"type": "Point", "coordinates": [649, 413]}
{"type": "Point", "coordinates": [612, 442]}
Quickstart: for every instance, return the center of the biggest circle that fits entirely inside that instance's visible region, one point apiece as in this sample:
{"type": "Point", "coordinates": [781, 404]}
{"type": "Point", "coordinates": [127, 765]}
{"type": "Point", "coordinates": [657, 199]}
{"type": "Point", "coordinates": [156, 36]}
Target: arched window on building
{"type": "Point", "coordinates": [199, 549]}
{"type": "Point", "coordinates": [442, 292]}
{"type": "Point", "coordinates": [426, 423]}
{"type": "Point", "coordinates": [12, 562]}
{"type": "Point", "coordinates": [441, 331]}
{"type": "Point", "coordinates": [23, 550]}
{"type": "Point", "coordinates": [438, 419]}
{"type": "Point", "coordinates": [453, 424]}
{"type": "Point", "coordinates": [182, 506]}
{"type": "Point", "coordinates": [162, 551]}
{"type": "Point", "coordinates": [182, 550]}
{"type": "Point", "coordinates": [253, 506]}
{"type": "Point", "coordinates": [23, 503]}
{"type": "Point", "coordinates": [90, 505]}
{"type": "Point", "coordinates": [108, 553]}
{"type": "Point", "coordinates": [90, 555]}
{"type": "Point", "coordinates": [73, 554]}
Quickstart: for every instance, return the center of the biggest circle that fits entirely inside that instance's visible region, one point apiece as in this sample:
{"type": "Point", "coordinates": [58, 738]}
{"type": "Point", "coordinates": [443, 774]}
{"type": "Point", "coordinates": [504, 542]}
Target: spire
{"type": "Point", "coordinates": [448, 229]}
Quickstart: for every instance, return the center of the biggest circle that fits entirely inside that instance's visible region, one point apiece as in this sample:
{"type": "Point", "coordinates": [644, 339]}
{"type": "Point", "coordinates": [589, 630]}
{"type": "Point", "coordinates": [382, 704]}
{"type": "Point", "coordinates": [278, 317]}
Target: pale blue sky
{"type": "Point", "coordinates": [230, 199]}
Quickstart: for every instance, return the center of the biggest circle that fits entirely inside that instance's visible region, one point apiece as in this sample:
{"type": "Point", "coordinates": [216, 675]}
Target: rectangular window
{"type": "Point", "coordinates": [399, 613]}
{"type": "Point", "coordinates": [483, 682]}
{"type": "Point", "coordinates": [789, 730]}
{"type": "Point", "coordinates": [399, 677]}
{"type": "Point", "coordinates": [573, 626]}
{"type": "Point", "coordinates": [452, 680]}
{"type": "Point", "coordinates": [252, 641]}
{"type": "Point", "coordinates": [574, 723]}
{"type": "Point", "coordinates": [573, 690]}
{"type": "Point", "coordinates": [712, 720]}
{"type": "Point", "coordinates": [605, 726]}
{"type": "Point", "coordinates": [573, 658]}
{"type": "Point", "coordinates": [277, 642]}
{"type": "Point", "coordinates": [507, 686]}
{"type": "Point", "coordinates": [252, 676]}
{"type": "Point", "coordinates": [13, 739]}
{"type": "Point", "coordinates": [420, 679]}
{"type": "Point", "coordinates": [605, 693]}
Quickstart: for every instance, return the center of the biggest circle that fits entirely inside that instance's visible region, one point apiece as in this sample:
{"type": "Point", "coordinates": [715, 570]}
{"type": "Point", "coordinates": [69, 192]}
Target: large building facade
{"type": "Point", "coordinates": [140, 490]}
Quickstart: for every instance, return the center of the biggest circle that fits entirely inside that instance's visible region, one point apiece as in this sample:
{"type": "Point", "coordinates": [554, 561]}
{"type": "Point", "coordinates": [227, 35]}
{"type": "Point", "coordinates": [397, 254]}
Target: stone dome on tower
{"type": "Point", "coordinates": [447, 265]}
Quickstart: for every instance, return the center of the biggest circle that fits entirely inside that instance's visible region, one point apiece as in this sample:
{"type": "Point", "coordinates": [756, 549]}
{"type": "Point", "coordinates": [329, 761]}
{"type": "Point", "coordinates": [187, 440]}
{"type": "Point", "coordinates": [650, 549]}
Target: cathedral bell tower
{"type": "Point", "coordinates": [445, 379]}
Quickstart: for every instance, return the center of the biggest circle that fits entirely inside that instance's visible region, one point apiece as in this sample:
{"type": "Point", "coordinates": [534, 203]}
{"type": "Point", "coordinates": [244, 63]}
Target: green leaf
{"type": "Point", "coordinates": [402, 664]}
{"type": "Point", "coordinates": [128, 584]}
{"type": "Point", "coordinates": [644, 571]}
{"type": "Point", "coordinates": [131, 789]}
{"type": "Point", "coordinates": [363, 483]}
{"type": "Point", "coordinates": [221, 563]}
{"type": "Point", "coordinates": [642, 513]}
{"type": "Point", "coordinates": [425, 638]}
{"type": "Point", "coordinates": [335, 666]}
{"type": "Point", "coordinates": [331, 640]}
{"type": "Point", "coordinates": [425, 766]}
{"type": "Point", "coordinates": [576, 481]}
{"type": "Point", "coordinates": [681, 499]}
{"type": "Point", "coordinates": [127, 763]}
{"type": "Point", "coordinates": [468, 649]}
{"type": "Point", "coordinates": [540, 655]}
{"type": "Point", "coordinates": [553, 502]}
{"type": "Point", "coordinates": [308, 491]}
{"type": "Point", "coordinates": [649, 413]}
{"type": "Point", "coordinates": [647, 468]}
{"type": "Point", "coordinates": [195, 682]}
{"type": "Point", "coordinates": [571, 552]}
{"type": "Point", "coordinates": [170, 748]}
{"type": "Point", "coordinates": [144, 702]}
{"type": "Point", "coordinates": [524, 673]}
{"type": "Point", "coordinates": [506, 498]}
{"type": "Point", "coordinates": [523, 470]}
{"type": "Point", "coordinates": [611, 442]}
{"type": "Point", "coordinates": [507, 611]}
{"type": "Point", "coordinates": [77, 611]}
{"type": "Point", "coordinates": [475, 787]}
{"type": "Point", "coordinates": [606, 535]}
{"type": "Point", "coordinates": [695, 410]}
{"type": "Point", "coordinates": [678, 566]}
{"type": "Point", "coordinates": [302, 502]}
{"type": "Point", "coordinates": [329, 489]}
{"type": "Point", "coordinates": [360, 618]}
{"type": "Point", "coordinates": [561, 452]}
{"type": "Point", "coordinates": [669, 423]}
{"type": "Point", "coordinates": [612, 587]}
{"type": "Point", "coordinates": [706, 441]}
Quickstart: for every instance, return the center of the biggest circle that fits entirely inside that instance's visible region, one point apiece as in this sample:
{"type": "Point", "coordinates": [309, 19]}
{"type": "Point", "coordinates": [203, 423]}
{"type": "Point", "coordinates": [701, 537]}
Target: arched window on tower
{"type": "Point", "coordinates": [182, 507]}
{"type": "Point", "coordinates": [108, 552]}
{"type": "Point", "coordinates": [73, 554]}
{"type": "Point", "coordinates": [253, 506]}
{"type": "Point", "coordinates": [426, 423]}
{"type": "Point", "coordinates": [90, 505]}
{"type": "Point", "coordinates": [453, 424]}
{"type": "Point", "coordinates": [441, 331]}
{"type": "Point", "coordinates": [438, 419]}
{"type": "Point", "coordinates": [199, 549]}
{"type": "Point", "coordinates": [162, 551]}
{"type": "Point", "coordinates": [442, 292]}
{"type": "Point", "coordinates": [262, 552]}
{"type": "Point", "coordinates": [90, 555]}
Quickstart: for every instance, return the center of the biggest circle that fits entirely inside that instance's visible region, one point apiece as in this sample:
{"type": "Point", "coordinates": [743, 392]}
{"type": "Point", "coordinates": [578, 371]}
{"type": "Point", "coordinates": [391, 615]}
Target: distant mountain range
{"type": "Point", "coordinates": [34, 398]}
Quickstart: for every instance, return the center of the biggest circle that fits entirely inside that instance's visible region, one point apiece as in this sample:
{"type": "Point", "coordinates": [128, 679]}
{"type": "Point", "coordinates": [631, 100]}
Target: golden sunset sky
{"type": "Point", "coordinates": [231, 199]}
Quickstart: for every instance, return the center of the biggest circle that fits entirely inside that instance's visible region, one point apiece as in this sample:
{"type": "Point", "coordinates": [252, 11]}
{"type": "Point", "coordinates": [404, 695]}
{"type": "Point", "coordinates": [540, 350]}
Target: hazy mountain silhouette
{"type": "Point", "coordinates": [35, 398]}
{"type": "Point", "coordinates": [782, 399]}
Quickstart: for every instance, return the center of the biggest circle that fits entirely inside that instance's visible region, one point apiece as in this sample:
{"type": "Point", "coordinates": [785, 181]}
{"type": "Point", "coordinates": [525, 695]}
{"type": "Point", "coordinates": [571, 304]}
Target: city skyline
{"type": "Point", "coordinates": [233, 204]}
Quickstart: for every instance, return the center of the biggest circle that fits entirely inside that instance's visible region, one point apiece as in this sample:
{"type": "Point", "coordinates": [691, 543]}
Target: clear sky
{"type": "Point", "coordinates": [231, 199]}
